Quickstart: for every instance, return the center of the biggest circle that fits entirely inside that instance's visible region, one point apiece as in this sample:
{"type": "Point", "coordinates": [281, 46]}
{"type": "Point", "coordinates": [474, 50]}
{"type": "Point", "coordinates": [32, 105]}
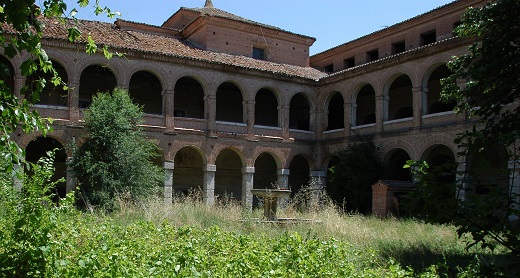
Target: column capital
{"type": "Point", "coordinates": [210, 168]}
{"type": "Point", "coordinates": [248, 170]}
{"type": "Point", "coordinates": [169, 165]}
{"type": "Point", "coordinates": [318, 174]}
{"type": "Point", "coordinates": [284, 172]}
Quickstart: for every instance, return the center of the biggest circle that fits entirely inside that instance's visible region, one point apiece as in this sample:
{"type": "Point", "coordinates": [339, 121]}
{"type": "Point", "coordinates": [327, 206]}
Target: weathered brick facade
{"type": "Point", "coordinates": [199, 68]}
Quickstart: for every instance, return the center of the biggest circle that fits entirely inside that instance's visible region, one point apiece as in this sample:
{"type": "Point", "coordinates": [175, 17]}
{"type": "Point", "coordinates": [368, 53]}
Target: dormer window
{"type": "Point", "coordinates": [259, 53]}
{"type": "Point", "coordinates": [329, 68]}
{"type": "Point", "coordinates": [372, 55]}
{"type": "Point", "coordinates": [428, 37]}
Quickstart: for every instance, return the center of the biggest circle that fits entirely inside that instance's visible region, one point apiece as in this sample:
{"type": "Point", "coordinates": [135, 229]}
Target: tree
{"type": "Point", "coordinates": [21, 31]}
{"type": "Point", "coordinates": [357, 167]}
{"type": "Point", "coordinates": [485, 84]}
{"type": "Point", "coordinates": [115, 159]}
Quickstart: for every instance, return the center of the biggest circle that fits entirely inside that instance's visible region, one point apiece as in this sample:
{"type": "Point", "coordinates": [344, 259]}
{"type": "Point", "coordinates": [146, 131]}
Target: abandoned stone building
{"type": "Point", "coordinates": [235, 104]}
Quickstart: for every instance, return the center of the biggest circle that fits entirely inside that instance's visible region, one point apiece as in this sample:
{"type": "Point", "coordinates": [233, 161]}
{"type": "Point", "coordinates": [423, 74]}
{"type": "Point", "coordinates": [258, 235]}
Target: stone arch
{"type": "Point", "coordinates": [189, 98]}
{"type": "Point", "coordinates": [95, 78]}
{"type": "Point", "coordinates": [487, 169]}
{"type": "Point", "coordinates": [394, 160]}
{"type": "Point", "coordinates": [50, 95]}
{"type": "Point", "coordinates": [441, 161]}
{"type": "Point", "coordinates": [266, 108]}
{"type": "Point", "coordinates": [398, 97]}
{"type": "Point", "coordinates": [38, 148]}
{"type": "Point", "coordinates": [335, 111]}
{"type": "Point", "coordinates": [364, 105]}
{"type": "Point", "coordinates": [228, 178]}
{"type": "Point", "coordinates": [299, 173]}
{"type": "Point", "coordinates": [229, 103]}
{"type": "Point", "coordinates": [266, 166]}
{"type": "Point", "coordinates": [300, 112]}
{"type": "Point", "coordinates": [145, 89]}
{"type": "Point", "coordinates": [188, 170]}
{"type": "Point", "coordinates": [432, 84]}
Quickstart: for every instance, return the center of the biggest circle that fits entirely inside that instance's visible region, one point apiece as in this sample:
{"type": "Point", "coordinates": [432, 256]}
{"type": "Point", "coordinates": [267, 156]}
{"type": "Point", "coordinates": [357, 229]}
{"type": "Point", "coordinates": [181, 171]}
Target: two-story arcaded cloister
{"type": "Point", "coordinates": [231, 112]}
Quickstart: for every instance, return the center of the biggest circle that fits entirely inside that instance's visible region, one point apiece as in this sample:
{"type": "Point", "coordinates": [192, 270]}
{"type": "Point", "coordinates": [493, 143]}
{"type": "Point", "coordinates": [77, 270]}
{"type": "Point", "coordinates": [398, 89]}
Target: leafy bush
{"type": "Point", "coordinates": [114, 161]}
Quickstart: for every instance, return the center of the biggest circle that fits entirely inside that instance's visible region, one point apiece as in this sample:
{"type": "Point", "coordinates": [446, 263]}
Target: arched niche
{"type": "Point", "coordinates": [50, 94]}
{"type": "Point", "coordinates": [145, 89]}
{"type": "Point", "coordinates": [400, 98]}
{"type": "Point", "coordinates": [394, 161]}
{"type": "Point", "coordinates": [299, 112]}
{"type": "Point", "coordinates": [299, 174]}
{"type": "Point", "coordinates": [188, 171]}
{"type": "Point", "coordinates": [37, 149]}
{"type": "Point", "coordinates": [266, 108]}
{"type": "Point", "coordinates": [229, 103]}
{"type": "Point", "coordinates": [365, 108]}
{"type": "Point", "coordinates": [7, 73]}
{"type": "Point", "coordinates": [188, 98]}
{"type": "Point", "coordinates": [94, 79]}
{"type": "Point", "coordinates": [336, 112]}
{"type": "Point", "coordinates": [433, 95]}
{"type": "Point", "coordinates": [228, 178]}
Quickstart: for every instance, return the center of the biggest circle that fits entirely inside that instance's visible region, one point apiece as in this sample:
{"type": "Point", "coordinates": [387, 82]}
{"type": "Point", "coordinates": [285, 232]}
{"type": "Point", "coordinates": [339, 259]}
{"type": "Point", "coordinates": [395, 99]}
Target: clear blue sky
{"type": "Point", "coordinates": [331, 22]}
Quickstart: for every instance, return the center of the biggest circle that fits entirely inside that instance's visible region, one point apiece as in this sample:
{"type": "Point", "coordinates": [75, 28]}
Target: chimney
{"type": "Point", "coordinates": [208, 4]}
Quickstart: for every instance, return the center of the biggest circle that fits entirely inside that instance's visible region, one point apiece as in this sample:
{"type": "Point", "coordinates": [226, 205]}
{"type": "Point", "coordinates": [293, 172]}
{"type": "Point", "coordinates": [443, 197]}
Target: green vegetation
{"type": "Point", "coordinates": [357, 167]}
{"type": "Point", "coordinates": [114, 161]}
{"type": "Point", "coordinates": [190, 239]}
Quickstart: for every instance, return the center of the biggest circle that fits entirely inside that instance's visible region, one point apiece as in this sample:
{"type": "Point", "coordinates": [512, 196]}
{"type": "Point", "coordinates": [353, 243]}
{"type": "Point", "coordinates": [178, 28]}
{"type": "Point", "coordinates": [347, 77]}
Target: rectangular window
{"type": "Point", "coordinates": [398, 47]}
{"type": "Point", "coordinates": [350, 62]}
{"type": "Point", "coordinates": [329, 68]}
{"type": "Point", "coordinates": [258, 53]}
{"type": "Point", "coordinates": [372, 55]}
{"type": "Point", "coordinates": [428, 37]}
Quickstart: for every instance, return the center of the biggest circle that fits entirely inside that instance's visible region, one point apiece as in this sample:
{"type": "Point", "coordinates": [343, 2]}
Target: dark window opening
{"type": "Point", "coordinates": [398, 47]}
{"type": "Point", "coordinates": [372, 55]}
{"type": "Point", "coordinates": [258, 53]}
{"type": "Point", "coordinates": [350, 62]}
{"type": "Point", "coordinates": [179, 113]}
{"type": "Point", "coordinates": [428, 37]}
{"type": "Point", "coordinates": [329, 68]}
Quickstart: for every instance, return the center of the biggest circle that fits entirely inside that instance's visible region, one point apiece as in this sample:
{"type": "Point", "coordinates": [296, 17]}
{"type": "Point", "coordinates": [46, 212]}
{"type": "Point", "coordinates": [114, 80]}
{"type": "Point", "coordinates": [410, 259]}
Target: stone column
{"type": "Point", "coordinates": [19, 81]}
{"type": "Point", "coordinates": [168, 182]}
{"type": "Point", "coordinates": [248, 174]}
{"type": "Point", "coordinates": [209, 184]}
{"type": "Point", "coordinates": [349, 117]}
{"type": "Point", "coordinates": [417, 102]}
{"type": "Point", "coordinates": [70, 179]}
{"type": "Point", "coordinates": [169, 109]}
{"type": "Point", "coordinates": [462, 187]}
{"type": "Point", "coordinates": [18, 182]}
{"type": "Point", "coordinates": [73, 100]}
{"type": "Point", "coordinates": [318, 183]}
{"type": "Point", "coordinates": [283, 178]}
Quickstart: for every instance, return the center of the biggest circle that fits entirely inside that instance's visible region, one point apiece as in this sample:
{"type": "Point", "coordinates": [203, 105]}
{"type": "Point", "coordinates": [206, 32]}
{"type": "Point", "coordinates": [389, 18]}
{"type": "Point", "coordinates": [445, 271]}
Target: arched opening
{"type": "Point", "coordinates": [266, 108]}
{"type": "Point", "coordinates": [229, 103]}
{"type": "Point", "coordinates": [94, 79]}
{"type": "Point", "coordinates": [336, 115]}
{"type": "Point", "coordinates": [7, 73]}
{"type": "Point", "coordinates": [50, 94]}
{"type": "Point", "coordinates": [146, 90]}
{"type": "Point", "coordinates": [441, 160]}
{"type": "Point", "coordinates": [395, 160]}
{"type": "Point", "coordinates": [433, 99]}
{"type": "Point", "coordinates": [366, 106]}
{"type": "Point", "coordinates": [37, 149]}
{"type": "Point", "coordinates": [265, 174]}
{"type": "Point", "coordinates": [299, 112]}
{"type": "Point", "coordinates": [188, 171]}
{"type": "Point", "coordinates": [188, 98]}
{"type": "Point", "coordinates": [228, 178]}
{"type": "Point", "coordinates": [400, 99]}
{"type": "Point", "coordinates": [298, 174]}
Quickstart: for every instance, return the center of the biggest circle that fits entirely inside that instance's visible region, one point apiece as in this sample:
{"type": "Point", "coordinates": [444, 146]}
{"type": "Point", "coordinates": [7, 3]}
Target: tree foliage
{"type": "Point", "coordinates": [21, 32]}
{"type": "Point", "coordinates": [485, 84]}
{"type": "Point", "coordinates": [358, 167]}
{"type": "Point", "coordinates": [114, 161]}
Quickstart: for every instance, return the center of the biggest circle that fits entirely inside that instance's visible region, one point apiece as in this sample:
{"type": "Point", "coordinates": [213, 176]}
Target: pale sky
{"type": "Point", "coordinates": [331, 22]}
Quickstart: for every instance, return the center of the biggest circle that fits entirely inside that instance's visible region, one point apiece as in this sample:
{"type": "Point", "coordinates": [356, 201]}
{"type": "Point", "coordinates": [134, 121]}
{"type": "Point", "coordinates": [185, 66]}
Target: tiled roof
{"type": "Point", "coordinates": [131, 40]}
{"type": "Point", "coordinates": [211, 11]}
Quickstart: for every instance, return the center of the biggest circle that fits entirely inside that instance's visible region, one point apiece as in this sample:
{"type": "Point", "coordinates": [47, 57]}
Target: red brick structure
{"type": "Point", "coordinates": [235, 104]}
{"type": "Point", "coordinates": [386, 195]}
